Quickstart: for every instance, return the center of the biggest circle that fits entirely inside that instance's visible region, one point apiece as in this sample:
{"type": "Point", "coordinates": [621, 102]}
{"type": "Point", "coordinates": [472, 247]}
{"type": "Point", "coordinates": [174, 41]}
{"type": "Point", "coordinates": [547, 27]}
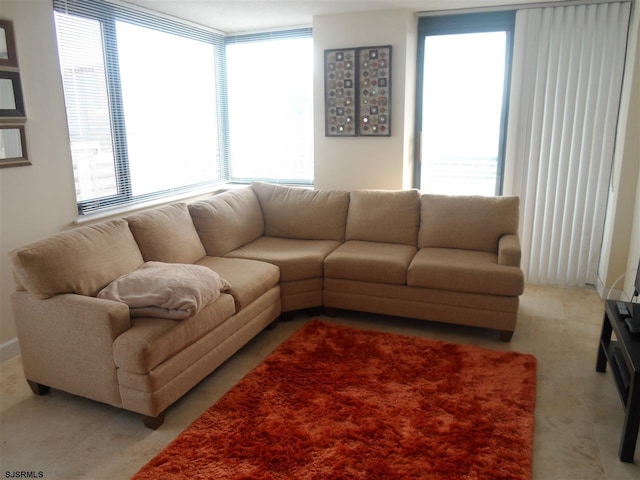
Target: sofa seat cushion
{"type": "Point", "coordinates": [248, 279]}
{"type": "Point", "coordinates": [297, 259]}
{"type": "Point", "coordinates": [370, 262]}
{"type": "Point", "coordinates": [166, 290]}
{"type": "Point", "coordinates": [464, 271]}
{"type": "Point", "coordinates": [151, 341]}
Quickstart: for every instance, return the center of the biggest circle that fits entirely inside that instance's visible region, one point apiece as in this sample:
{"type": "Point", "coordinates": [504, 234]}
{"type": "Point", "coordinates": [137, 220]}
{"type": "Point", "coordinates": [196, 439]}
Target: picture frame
{"type": "Point", "coordinates": [13, 146]}
{"type": "Point", "coordinates": [11, 99]}
{"type": "Point", "coordinates": [374, 74]}
{"type": "Point", "coordinates": [8, 56]}
{"type": "Point", "coordinates": [357, 84]}
{"type": "Point", "coordinates": [340, 83]}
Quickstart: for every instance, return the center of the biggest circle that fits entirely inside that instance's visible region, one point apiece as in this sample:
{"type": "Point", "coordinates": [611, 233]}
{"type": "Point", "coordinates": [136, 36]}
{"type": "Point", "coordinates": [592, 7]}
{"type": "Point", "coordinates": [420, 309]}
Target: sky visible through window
{"type": "Point", "coordinates": [270, 91]}
{"type": "Point", "coordinates": [461, 112]}
{"type": "Point", "coordinates": [169, 99]}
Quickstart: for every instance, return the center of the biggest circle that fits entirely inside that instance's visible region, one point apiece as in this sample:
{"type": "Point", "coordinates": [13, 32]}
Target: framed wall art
{"type": "Point", "coordinates": [374, 74]}
{"type": "Point", "coordinates": [340, 82]}
{"type": "Point", "coordinates": [357, 84]}
{"type": "Point", "coordinates": [13, 136]}
{"type": "Point", "coordinates": [8, 57]}
{"type": "Point", "coordinates": [11, 101]}
{"type": "Point", "coordinates": [13, 146]}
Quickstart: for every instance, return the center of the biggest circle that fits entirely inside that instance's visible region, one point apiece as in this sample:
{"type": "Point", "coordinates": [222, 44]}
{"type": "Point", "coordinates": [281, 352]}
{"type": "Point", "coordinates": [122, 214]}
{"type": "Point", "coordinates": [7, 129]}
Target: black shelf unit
{"type": "Point", "coordinates": [623, 357]}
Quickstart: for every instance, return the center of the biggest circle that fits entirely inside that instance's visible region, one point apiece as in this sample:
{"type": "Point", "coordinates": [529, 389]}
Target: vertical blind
{"type": "Point", "coordinates": [567, 78]}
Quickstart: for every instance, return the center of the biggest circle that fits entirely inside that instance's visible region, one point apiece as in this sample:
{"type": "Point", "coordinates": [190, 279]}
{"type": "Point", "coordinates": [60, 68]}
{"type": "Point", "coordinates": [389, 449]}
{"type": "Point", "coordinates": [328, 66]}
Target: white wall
{"type": "Point", "coordinates": [348, 163]}
{"type": "Point", "coordinates": [621, 239]}
{"type": "Point", "coordinates": [39, 199]}
{"type": "Point", "coordinates": [634, 245]}
{"type": "Point", "coordinates": [632, 155]}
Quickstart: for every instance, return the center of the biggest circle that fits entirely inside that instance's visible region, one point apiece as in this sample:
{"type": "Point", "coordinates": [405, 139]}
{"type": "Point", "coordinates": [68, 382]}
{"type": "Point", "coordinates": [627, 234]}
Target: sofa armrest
{"type": "Point", "coordinates": [509, 250]}
{"type": "Point", "coordinates": [66, 342]}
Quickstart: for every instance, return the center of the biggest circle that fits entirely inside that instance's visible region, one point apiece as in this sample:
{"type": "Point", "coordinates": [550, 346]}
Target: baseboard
{"type": "Point", "coordinates": [9, 349]}
{"type": "Point", "coordinates": [613, 294]}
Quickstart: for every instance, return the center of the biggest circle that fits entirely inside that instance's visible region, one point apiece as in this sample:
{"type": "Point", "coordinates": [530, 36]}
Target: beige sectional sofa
{"type": "Point", "coordinates": [281, 249]}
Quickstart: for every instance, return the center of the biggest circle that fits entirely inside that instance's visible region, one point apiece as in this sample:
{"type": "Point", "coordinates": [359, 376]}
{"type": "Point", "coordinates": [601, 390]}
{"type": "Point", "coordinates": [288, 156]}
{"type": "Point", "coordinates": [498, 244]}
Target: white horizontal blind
{"type": "Point", "coordinates": [87, 101]}
{"type": "Point", "coordinates": [144, 99]}
{"type": "Point", "coordinates": [270, 106]}
{"type": "Point", "coordinates": [567, 77]}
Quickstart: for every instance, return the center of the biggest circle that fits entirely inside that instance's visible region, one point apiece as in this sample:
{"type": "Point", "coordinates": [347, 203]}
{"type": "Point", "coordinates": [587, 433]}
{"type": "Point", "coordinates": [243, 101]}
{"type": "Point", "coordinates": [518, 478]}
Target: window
{"type": "Point", "coordinates": [169, 108]}
{"type": "Point", "coordinates": [270, 106]}
{"type": "Point", "coordinates": [143, 103]}
{"type": "Point", "coordinates": [158, 108]}
{"type": "Point", "coordinates": [463, 84]}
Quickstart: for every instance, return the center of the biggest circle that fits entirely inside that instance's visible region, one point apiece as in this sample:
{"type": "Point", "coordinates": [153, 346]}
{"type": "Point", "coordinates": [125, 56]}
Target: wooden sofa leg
{"type": "Point", "coordinates": [38, 388]}
{"type": "Point", "coordinates": [331, 312]}
{"type": "Point", "coordinates": [153, 422]}
{"type": "Point", "coordinates": [273, 324]}
{"type": "Point", "coordinates": [286, 316]}
{"type": "Point", "coordinates": [505, 335]}
{"type": "Point", "coordinates": [314, 311]}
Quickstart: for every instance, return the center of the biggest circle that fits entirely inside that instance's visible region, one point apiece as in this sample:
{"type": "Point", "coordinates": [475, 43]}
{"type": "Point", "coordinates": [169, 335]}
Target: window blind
{"type": "Point", "coordinates": [568, 72]}
{"type": "Point", "coordinates": [270, 106]}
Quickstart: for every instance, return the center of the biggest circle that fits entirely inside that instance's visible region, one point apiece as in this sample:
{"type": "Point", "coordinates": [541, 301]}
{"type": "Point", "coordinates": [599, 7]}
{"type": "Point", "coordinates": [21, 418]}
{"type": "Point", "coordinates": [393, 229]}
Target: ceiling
{"type": "Point", "coordinates": [235, 16]}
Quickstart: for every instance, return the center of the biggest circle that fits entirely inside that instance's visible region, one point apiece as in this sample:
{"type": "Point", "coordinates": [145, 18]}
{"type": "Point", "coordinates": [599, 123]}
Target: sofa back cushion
{"type": "Point", "coordinates": [467, 222]}
{"type": "Point", "coordinates": [301, 213]}
{"type": "Point", "coordinates": [227, 221]}
{"type": "Point", "coordinates": [82, 261]}
{"type": "Point", "coordinates": [167, 234]}
{"type": "Point", "coordinates": [389, 216]}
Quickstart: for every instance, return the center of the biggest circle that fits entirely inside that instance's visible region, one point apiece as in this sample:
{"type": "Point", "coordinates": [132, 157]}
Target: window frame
{"type": "Point", "coordinates": [432, 25]}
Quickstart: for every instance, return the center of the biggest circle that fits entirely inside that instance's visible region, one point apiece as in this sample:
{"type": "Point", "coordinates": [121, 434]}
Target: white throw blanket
{"type": "Point", "coordinates": [166, 290]}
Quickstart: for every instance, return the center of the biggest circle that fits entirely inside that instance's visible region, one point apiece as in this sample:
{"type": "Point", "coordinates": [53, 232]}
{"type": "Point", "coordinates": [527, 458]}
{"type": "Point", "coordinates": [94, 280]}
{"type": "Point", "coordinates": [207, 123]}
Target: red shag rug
{"type": "Point", "coordinates": [335, 402]}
